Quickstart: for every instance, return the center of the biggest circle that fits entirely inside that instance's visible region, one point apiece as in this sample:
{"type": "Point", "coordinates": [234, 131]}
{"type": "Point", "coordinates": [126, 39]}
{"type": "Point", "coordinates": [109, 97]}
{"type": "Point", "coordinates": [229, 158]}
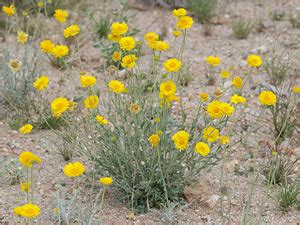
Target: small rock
{"type": "Point", "coordinates": [142, 5]}
{"type": "Point", "coordinates": [122, 74]}
{"type": "Point", "coordinates": [212, 201]}
{"type": "Point", "coordinates": [230, 166]}
{"type": "Point", "coordinates": [198, 190]}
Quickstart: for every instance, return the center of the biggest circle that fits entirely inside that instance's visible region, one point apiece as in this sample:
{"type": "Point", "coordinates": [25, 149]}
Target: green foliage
{"type": "Point", "coordinates": [102, 26]}
{"type": "Point", "coordinates": [289, 196]}
{"type": "Point", "coordinates": [10, 170]}
{"type": "Point", "coordinates": [241, 28]}
{"type": "Point", "coordinates": [203, 9]}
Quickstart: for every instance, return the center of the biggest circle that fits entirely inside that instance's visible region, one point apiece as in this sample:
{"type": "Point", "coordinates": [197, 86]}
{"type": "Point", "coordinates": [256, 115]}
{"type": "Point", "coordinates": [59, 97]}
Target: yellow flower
{"type": "Point", "coordinates": [203, 96]}
{"type": "Point", "coordinates": [15, 65]}
{"type": "Point", "coordinates": [135, 108]}
{"type": "Point", "coordinates": [151, 37]}
{"type": "Point", "coordinates": [9, 10]}
{"type": "Point", "coordinates": [59, 106]}
{"type": "Point", "coordinates": [224, 140]}
{"type": "Point", "coordinates": [41, 83]}
{"type": "Point", "coordinates": [71, 31]}
{"type": "Point", "coordinates": [114, 37]}
{"type": "Point", "coordinates": [22, 37]}
{"type": "Point", "coordinates": [202, 149]}
{"type": "Point", "coordinates": [60, 51]}
{"type": "Point", "coordinates": [160, 45]}
{"type": "Point", "coordinates": [28, 158]}
{"type": "Point", "coordinates": [56, 210]}
{"type": "Point", "coordinates": [129, 61]}
{"type": "Point", "coordinates": [236, 99]}
{"type": "Point", "coordinates": [106, 181]}
{"type": "Point", "coordinates": [181, 140]}
{"type": "Point", "coordinates": [116, 86]}
{"type": "Point", "coordinates": [213, 60]}
{"type": "Point", "coordinates": [91, 102]}
{"type": "Point", "coordinates": [210, 134]}
{"type": "Point", "coordinates": [177, 33]}
{"type": "Point", "coordinates": [154, 140]}
{"type": "Point", "coordinates": [61, 15]}
{"type": "Point", "coordinates": [28, 211]}
{"type": "Point", "coordinates": [172, 65]}
{"type": "Point", "coordinates": [74, 169]}
{"type": "Point", "coordinates": [25, 13]}
{"type": "Point", "coordinates": [254, 60]}
{"type": "Point", "coordinates": [225, 74]}
{"type": "Point", "coordinates": [25, 186]}
{"type": "Point", "coordinates": [215, 110]}
{"type": "Point", "coordinates": [167, 89]}
{"type": "Point", "coordinates": [127, 43]}
{"type": "Point", "coordinates": [47, 46]}
{"type": "Point", "coordinates": [26, 129]}
{"type": "Point", "coordinates": [159, 132]}
{"type": "Point", "coordinates": [87, 81]}
{"type": "Point", "coordinates": [296, 89]}
{"type": "Point", "coordinates": [116, 56]}
{"type": "Point", "coordinates": [237, 82]}
{"type": "Point", "coordinates": [267, 98]}
{"type": "Point", "coordinates": [157, 120]}
{"type": "Point", "coordinates": [227, 109]}
{"type": "Point", "coordinates": [184, 22]}
{"type": "Point", "coordinates": [102, 120]}
{"type": "Point", "coordinates": [118, 29]}
{"type": "Point", "coordinates": [179, 12]}
{"type": "Point", "coordinates": [40, 4]}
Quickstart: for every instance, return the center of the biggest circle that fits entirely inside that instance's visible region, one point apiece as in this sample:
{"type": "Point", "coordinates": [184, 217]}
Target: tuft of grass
{"type": "Point", "coordinates": [277, 15]}
{"type": "Point", "coordinates": [241, 28]}
{"type": "Point", "coordinates": [289, 196]}
{"type": "Point", "coordinates": [102, 26]}
{"type": "Point", "coordinates": [295, 21]}
{"type": "Point", "coordinates": [203, 9]}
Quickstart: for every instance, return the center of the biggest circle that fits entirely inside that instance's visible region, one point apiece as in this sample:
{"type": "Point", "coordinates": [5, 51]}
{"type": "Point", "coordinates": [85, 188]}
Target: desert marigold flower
{"type": "Point", "coordinates": [157, 120]}
{"type": "Point", "coordinates": [101, 120]}
{"type": "Point", "coordinates": [59, 106]}
{"type": "Point", "coordinates": [91, 102]}
{"type": "Point", "coordinates": [71, 31]}
{"type": "Point", "coordinates": [61, 15]}
{"type": "Point", "coordinates": [177, 33]}
{"type": "Point", "coordinates": [15, 65]}
{"type": "Point", "coordinates": [119, 29]}
{"type": "Point", "coordinates": [106, 181]}
{"type": "Point", "coordinates": [25, 186]}
{"type": "Point", "coordinates": [203, 96]}
{"type": "Point", "coordinates": [296, 89]}
{"type": "Point", "coordinates": [236, 99]}
{"type": "Point", "coordinates": [25, 13]}
{"type": "Point", "coordinates": [26, 129]}
{"type": "Point", "coordinates": [214, 109]}
{"type": "Point", "coordinates": [172, 65]}
{"type": "Point", "coordinates": [28, 211]}
{"type": "Point", "coordinates": [87, 81]}
{"type": "Point", "coordinates": [160, 45]}
{"type": "Point", "coordinates": [224, 140]}
{"type": "Point", "coordinates": [154, 140]}
{"type": "Point", "coordinates": [116, 56]}
{"type": "Point", "coordinates": [184, 22]}
{"type": "Point", "coordinates": [40, 4]}
{"type": "Point", "coordinates": [225, 74]}
{"type": "Point", "coordinates": [22, 37]}
{"type": "Point", "coordinates": [210, 134]}
{"type": "Point", "coordinates": [74, 169]}
{"type": "Point", "coordinates": [28, 158]}
{"type": "Point", "coordinates": [267, 98]}
{"type": "Point", "coordinates": [47, 46]}
{"type": "Point", "coordinates": [181, 140]}
{"type": "Point", "coordinates": [114, 37]}
{"type": "Point", "coordinates": [60, 51]}
{"type": "Point", "coordinates": [9, 10]}
{"type": "Point", "coordinates": [127, 43]}
{"type": "Point", "coordinates": [179, 12]}
{"type": "Point", "coordinates": [237, 82]}
{"type": "Point", "coordinates": [213, 60]}
{"type": "Point", "coordinates": [202, 149]}
{"type": "Point", "coordinates": [227, 109]}
{"type": "Point", "coordinates": [167, 89]}
{"type": "Point", "coordinates": [41, 83]}
{"type": "Point", "coordinates": [129, 61]}
{"type": "Point", "coordinates": [151, 37]}
{"type": "Point", "coordinates": [116, 86]}
{"type": "Point", "coordinates": [135, 108]}
{"type": "Point", "coordinates": [254, 60]}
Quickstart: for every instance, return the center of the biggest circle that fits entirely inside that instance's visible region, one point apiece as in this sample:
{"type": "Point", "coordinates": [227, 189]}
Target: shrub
{"type": "Point", "coordinates": [289, 196]}
{"type": "Point", "coordinates": [241, 28]}
{"type": "Point", "coordinates": [203, 9]}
